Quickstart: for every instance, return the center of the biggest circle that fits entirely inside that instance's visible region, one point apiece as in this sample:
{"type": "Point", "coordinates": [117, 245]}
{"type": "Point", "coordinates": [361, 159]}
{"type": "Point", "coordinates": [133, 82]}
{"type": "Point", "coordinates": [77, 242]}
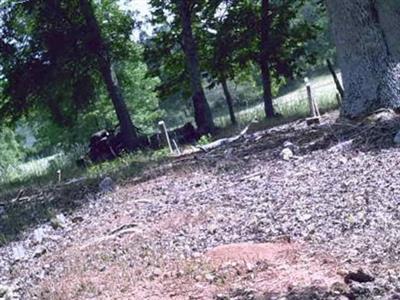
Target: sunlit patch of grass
{"type": "Point", "coordinates": [44, 172]}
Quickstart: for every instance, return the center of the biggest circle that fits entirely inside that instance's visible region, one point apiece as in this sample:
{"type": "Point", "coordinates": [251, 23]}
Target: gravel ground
{"type": "Point", "coordinates": [336, 198]}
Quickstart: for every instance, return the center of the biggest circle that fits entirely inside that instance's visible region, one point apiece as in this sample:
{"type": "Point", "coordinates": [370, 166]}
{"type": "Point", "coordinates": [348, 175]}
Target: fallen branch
{"type": "Point", "coordinates": [252, 176]}
{"type": "Point", "coordinates": [225, 141]}
{"type": "Point", "coordinates": [119, 232]}
{"type": "Point", "coordinates": [20, 193]}
{"type": "Point", "coordinates": [122, 228]}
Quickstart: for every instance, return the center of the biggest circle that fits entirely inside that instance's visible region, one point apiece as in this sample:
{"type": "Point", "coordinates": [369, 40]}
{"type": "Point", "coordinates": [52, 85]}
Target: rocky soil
{"type": "Point", "coordinates": [292, 212]}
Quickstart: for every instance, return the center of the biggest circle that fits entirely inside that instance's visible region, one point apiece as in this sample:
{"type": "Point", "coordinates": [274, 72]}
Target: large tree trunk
{"type": "Point", "coordinates": [97, 44]}
{"type": "Point", "coordinates": [229, 101]}
{"type": "Point", "coordinates": [264, 59]}
{"type": "Point", "coordinates": [202, 111]}
{"type": "Point", "coordinates": [367, 40]}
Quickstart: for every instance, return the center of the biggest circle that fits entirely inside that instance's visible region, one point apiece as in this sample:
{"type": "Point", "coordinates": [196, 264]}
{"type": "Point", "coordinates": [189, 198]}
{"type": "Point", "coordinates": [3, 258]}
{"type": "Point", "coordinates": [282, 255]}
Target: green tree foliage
{"type": "Point", "coordinates": [11, 150]}
{"type": "Point", "coordinates": [44, 60]}
{"type": "Point", "coordinates": [271, 34]}
{"type": "Point", "coordinates": [176, 23]}
{"type": "Point", "coordinates": [321, 47]}
{"type": "Point", "coordinates": [229, 36]}
{"type": "Point", "coordinates": [52, 68]}
{"type": "Point", "coordinates": [140, 98]}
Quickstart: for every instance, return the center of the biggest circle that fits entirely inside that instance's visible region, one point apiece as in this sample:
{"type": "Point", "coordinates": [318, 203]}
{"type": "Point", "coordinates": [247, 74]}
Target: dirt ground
{"type": "Point", "coordinates": [237, 222]}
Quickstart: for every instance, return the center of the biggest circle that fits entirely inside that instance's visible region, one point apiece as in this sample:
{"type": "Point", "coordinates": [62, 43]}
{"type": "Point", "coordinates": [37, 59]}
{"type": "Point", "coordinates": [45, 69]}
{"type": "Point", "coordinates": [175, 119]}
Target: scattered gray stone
{"type": "Point", "coordinates": [341, 147]}
{"type": "Point", "coordinates": [77, 219]}
{"type": "Point", "coordinates": [39, 252]}
{"type": "Point", "coordinates": [212, 229]}
{"type": "Point", "coordinates": [359, 276]}
{"type": "Point", "coordinates": [107, 185]}
{"type": "Point", "coordinates": [286, 154]}
{"type": "Point", "coordinates": [3, 290]}
{"type": "Point", "coordinates": [6, 292]}
{"type": "Point", "coordinates": [210, 278]}
{"type": "Point", "coordinates": [294, 148]}
{"type": "Point", "coordinates": [59, 221]}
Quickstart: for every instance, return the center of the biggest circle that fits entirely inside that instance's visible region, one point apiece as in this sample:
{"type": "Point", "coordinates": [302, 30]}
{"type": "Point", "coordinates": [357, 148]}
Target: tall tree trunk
{"type": "Point", "coordinates": [367, 41]}
{"type": "Point", "coordinates": [128, 130]}
{"type": "Point", "coordinates": [229, 101]}
{"type": "Point", "coordinates": [264, 59]}
{"type": "Point", "coordinates": [202, 111]}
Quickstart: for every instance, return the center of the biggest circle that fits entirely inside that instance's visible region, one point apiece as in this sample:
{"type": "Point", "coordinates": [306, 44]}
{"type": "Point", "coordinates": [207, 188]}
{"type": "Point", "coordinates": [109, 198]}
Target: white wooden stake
{"type": "Point", "coordinates": [178, 151]}
{"type": "Point", "coordinates": [59, 175]}
{"type": "Point", "coordinates": [313, 111]}
{"type": "Point", "coordinates": [163, 128]}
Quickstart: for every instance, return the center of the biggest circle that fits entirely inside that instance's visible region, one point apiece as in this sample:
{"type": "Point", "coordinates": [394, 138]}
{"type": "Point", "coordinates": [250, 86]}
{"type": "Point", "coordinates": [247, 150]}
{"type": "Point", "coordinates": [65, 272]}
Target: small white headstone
{"type": "Point", "coordinates": [287, 154]}
{"type": "Point", "coordinates": [38, 235]}
{"type": "Point", "coordinates": [19, 253]}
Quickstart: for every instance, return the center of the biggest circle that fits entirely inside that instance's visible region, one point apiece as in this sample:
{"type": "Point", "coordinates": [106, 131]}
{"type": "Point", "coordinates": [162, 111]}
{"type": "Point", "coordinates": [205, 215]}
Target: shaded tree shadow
{"type": "Point", "coordinates": [32, 206]}
{"type": "Point", "coordinates": [37, 206]}
{"type": "Point", "coordinates": [373, 134]}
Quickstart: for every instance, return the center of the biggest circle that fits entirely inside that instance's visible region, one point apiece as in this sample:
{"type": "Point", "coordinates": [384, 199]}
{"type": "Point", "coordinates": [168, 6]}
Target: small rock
{"type": "Point", "coordinates": [107, 185]}
{"type": "Point", "coordinates": [341, 147]}
{"type": "Point", "coordinates": [6, 292]}
{"type": "Point", "coordinates": [77, 219]}
{"type": "Point", "coordinates": [305, 217]}
{"type": "Point", "coordinates": [157, 272]}
{"type": "Point", "coordinates": [339, 288]}
{"type": "Point", "coordinates": [250, 267]}
{"type": "Point", "coordinates": [210, 278]}
{"type": "Point", "coordinates": [3, 290]}
{"type": "Point", "coordinates": [359, 276]}
{"type": "Point", "coordinates": [397, 138]}
{"type": "Point", "coordinates": [286, 154]}
{"type": "Point", "coordinates": [291, 146]}
{"type": "Point", "coordinates": [39, 252]}
{"type": "Point", "coordinates": [59, 221]}
{"type": "Point", "coordinates": [212, 229]}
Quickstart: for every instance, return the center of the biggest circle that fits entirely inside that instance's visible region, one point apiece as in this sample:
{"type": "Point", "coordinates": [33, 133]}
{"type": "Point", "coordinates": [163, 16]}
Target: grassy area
{"type": "Point", "coordinates": [292, 105]}
{"type": "Point", "coordinates": [44, 172]}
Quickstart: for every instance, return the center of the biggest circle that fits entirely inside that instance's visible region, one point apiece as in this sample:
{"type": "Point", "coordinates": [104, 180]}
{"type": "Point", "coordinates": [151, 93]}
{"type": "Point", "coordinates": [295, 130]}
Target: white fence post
{"type": "Point", "coordinates": [163, 128]}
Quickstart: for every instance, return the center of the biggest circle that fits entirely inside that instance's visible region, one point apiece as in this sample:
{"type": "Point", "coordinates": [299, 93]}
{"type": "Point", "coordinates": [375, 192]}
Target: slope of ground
{"type": "Point", "coordinates": [238, 222]}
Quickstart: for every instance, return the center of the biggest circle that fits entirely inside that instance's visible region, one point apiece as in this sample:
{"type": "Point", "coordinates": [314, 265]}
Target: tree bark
{"type": "Point", "coordinates": [229, 101]}
{"type": "Point", "coordinates": [96, 43]}
{"type": "Point", "coordinates": [264, 59]}
{"type": "Point", "coordinates": [202, 111]}
{"type": "Point", "coordinates": [367, 41]}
